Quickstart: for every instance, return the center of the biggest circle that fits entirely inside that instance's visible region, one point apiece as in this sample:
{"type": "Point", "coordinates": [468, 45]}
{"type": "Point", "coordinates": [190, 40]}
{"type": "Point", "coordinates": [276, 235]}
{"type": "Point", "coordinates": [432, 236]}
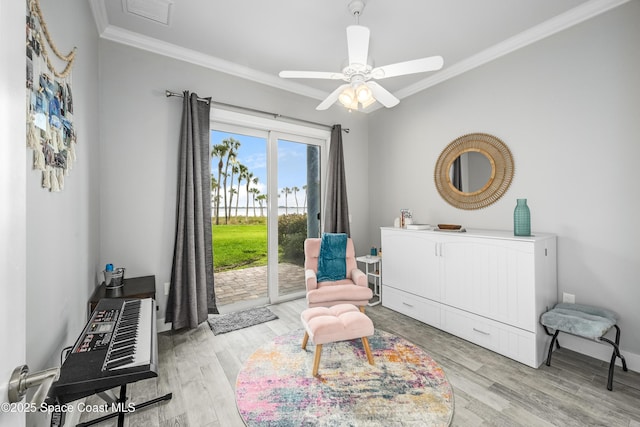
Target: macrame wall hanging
{"type": "Point", "coordinates": [50, 132]}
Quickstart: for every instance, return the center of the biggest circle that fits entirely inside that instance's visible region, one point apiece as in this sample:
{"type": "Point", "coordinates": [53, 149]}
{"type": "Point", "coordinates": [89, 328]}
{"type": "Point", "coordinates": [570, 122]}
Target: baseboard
{"type": "Point", "coordinates": [161, 326]}
{"type": "Point", "coordinates": [600, 351]}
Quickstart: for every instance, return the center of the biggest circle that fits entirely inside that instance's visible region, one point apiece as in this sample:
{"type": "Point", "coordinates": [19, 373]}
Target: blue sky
{"type": "Point", "coordinates": [253, 154]}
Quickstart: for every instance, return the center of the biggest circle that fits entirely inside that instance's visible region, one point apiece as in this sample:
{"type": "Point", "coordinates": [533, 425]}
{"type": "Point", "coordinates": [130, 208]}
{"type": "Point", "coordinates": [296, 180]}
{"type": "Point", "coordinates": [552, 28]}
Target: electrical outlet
{"type": "Point", "coordinates": [568, 298]}
{"type": "Point", "coordinates": [166, 288]}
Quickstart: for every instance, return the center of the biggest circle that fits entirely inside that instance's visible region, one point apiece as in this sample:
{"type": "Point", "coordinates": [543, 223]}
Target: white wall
{"type": "Point", "coordinates": [568, 109]}
{"type": "Point", "coordinates": [13, 204]}
{"type": "Point", "coordinates": [62, 228]}
{"type": "Point", "coordinates": [49, 241]}
{"type": "Point", "coordinates": [139, 145]}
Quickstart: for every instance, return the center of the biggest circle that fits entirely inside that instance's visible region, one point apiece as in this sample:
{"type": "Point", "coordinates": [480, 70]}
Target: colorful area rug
{"type": "Point", "coordinates": [404, 387]}
{"type": "Point", "coordinates": [223, 323]}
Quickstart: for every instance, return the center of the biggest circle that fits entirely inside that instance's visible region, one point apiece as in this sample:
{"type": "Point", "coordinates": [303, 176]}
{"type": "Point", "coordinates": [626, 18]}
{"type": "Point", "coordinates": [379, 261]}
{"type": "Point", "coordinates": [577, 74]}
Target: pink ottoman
{"type": "Point", "coordinates": [338, 323]}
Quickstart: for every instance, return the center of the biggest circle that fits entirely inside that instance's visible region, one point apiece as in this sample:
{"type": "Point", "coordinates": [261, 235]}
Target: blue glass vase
{"type": "Point", "coordinates": [521, 219]}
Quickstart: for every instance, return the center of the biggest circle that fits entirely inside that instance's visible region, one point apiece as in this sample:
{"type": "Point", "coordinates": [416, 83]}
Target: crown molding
{"type": "Point", "coordinates": [100, 16]}
{"type": "Point", "coordinates": [552, 26]}
{"type": "Point", "coordinates": [119, 35]}
{"type": "Point", "coordinates": [133, 39]}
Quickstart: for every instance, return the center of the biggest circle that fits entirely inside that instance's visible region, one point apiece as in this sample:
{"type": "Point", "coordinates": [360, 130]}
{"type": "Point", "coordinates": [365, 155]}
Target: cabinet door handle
{"type": "Point", "coordinates": [407, 304]}
{"type": "Point", "coordinates": [438, 249]}
{"type": "Point", "coordinates": [481, 332]}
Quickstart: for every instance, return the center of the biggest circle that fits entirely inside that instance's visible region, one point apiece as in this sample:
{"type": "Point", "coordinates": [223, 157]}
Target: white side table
{"type": "Point", "coordinates": [373, 268]}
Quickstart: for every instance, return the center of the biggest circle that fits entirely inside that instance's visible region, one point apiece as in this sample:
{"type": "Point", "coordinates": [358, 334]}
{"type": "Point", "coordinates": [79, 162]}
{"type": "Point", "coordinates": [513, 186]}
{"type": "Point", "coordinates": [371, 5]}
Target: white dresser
{"type": "Point", "coordinates": [486, 286]}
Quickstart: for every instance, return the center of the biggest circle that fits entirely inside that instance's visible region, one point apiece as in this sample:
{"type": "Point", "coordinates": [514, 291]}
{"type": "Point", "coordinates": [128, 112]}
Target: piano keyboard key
{"type": "Point", "coordinates": [119, 362]}
{"type": "Point", "coordinates": [131, 342]}
{"type": "Point", "coordinates": [126, 351]}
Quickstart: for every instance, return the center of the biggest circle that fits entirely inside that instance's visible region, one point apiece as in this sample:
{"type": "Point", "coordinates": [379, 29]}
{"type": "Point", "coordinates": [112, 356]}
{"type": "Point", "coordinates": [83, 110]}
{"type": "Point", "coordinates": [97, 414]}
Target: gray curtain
{"type": "Point", "coordinates": [336, 210]}
{"type": "Point", "coordinates": [191, 295]}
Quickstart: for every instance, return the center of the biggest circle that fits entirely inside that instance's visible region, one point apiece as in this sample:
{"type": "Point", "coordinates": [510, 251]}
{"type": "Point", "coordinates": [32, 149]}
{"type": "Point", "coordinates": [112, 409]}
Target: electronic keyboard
{"type": "Point", "coordinates": [117, 346]}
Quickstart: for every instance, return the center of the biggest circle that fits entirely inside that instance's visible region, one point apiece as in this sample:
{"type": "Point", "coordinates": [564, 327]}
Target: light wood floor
{"type": "Point", "coordinates": [200, 369]}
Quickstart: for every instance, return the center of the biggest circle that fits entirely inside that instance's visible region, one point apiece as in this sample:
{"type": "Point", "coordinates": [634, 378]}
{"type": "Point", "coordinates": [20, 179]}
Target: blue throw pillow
{"type": "Point", "coordinates": [332, 261]}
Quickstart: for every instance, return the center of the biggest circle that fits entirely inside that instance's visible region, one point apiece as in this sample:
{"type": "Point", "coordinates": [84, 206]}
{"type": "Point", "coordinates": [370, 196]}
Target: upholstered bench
{"type": "Point", "coordinates": [338, 323]}
{"type": "Point", "coordinates": [583, 321]}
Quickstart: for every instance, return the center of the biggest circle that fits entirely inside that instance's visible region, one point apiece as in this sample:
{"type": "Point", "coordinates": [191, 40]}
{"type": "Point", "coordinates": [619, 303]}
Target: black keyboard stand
{"type": "Point", "coordinates": [122, 401]}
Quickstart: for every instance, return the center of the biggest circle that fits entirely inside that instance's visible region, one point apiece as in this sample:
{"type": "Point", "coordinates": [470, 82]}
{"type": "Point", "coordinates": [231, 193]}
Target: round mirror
{"type": "Point", "coordinates": [471, 172]}
{"type": "Point", "coordinates": [474, 171]}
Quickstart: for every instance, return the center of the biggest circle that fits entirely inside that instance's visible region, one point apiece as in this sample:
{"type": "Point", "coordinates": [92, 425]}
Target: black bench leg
{"type": "Point", "coordinates": [553, 340]}
{"type": "Point", "coordinates": [616, 353]}
{"type": "Point", "coordinates": [550, 334]}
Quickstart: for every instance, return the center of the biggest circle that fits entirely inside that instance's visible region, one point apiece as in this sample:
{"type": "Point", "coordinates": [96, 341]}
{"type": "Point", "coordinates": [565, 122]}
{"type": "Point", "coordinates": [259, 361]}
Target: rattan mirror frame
{"type": "Point", "coordinates": [500, 158]}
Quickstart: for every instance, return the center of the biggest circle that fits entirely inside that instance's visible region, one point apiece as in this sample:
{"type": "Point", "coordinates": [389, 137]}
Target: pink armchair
{"type": "Point", "coordinates": [354, 289]}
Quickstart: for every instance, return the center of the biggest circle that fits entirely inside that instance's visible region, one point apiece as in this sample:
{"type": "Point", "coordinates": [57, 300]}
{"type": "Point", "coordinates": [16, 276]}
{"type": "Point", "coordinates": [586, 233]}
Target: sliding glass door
{"type": "Point", "coordinates": [239, 216]}
{"type": "Point", "coordinates": [266, 199]}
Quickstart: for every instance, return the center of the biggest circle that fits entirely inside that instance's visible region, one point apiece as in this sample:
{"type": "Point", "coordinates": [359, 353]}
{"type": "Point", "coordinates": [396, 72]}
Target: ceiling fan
{"type": "Point", "coordinates": [359, 74]}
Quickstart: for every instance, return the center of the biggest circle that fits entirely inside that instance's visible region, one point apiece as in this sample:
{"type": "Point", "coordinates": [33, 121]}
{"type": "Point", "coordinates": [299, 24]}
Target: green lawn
{"type": "Point", "coordinates": [239, 246]}
{"type": "Point", "coordinates": [243, 242]}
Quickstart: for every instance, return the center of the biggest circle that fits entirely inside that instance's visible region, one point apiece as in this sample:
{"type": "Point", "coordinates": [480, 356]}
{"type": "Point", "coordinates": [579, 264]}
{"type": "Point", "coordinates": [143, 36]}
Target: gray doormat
{"type": "Point", "coordinates": [223, 323]}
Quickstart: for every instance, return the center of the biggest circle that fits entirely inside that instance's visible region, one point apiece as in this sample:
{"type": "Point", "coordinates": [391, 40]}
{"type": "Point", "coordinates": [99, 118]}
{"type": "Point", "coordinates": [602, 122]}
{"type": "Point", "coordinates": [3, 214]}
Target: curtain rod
{"type": "Point", "coordinates": [169, 93]}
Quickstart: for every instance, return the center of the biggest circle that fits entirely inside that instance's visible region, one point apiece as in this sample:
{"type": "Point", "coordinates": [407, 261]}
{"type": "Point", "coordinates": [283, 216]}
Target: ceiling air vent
{"type": "Point", "coordinates": [155, 10]}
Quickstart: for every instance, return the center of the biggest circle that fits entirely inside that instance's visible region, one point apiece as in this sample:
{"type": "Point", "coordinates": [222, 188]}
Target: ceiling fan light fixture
{"type": "Point", "coordinates": [347, 97]}
{"type": "Point", "coordinates": [363, 93]}
{"type": "Point", "coordinates": [369, 102]}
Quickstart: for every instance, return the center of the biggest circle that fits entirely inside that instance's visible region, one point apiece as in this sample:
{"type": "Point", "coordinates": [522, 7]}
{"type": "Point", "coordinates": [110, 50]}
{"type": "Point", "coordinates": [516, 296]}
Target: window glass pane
{"type": "Point", "coordinates": [298, 210]}
{"type": "Point", "coordinates": [239, 210]}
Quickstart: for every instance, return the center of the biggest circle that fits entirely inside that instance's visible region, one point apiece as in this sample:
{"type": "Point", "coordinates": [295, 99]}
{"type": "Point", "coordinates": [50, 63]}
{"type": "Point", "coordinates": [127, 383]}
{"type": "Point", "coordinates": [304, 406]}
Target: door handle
{"type": "Point", "coordinates": [21, 381]}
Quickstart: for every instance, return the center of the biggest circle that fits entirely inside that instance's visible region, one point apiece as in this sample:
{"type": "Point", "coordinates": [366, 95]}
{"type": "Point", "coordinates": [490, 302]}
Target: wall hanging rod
{"type": "Point", "coordinates": [169, 93]}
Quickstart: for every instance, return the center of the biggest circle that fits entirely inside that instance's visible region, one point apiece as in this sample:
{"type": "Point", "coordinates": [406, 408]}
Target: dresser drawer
{"type": "Point", "coordinates": [419, 308]}
{"type": "Point", "coordinates": [509, 341]}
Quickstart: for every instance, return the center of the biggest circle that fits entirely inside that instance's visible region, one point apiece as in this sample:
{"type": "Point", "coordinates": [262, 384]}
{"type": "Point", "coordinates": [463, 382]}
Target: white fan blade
{"type": "Point", "coordinates": [382, 95]}
{"type": "Point", "coordinates": [358, 44]}
{"type": "Point", "coordinates": [311, 75]}
{"type": "Point", "coordinates": [431, 63]}
{"type": "Point", "coordinates": [333, 97]}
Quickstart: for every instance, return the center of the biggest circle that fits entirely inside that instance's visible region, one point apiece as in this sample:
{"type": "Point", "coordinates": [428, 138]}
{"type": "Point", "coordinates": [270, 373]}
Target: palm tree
{"type": "Point", "coordinates": [234, 170]}
{"type": "Point", "coordinates": [295, 190]}
{"type": "Point", "coordinates": [232, 192]}
{"type": "Point", "coordinates": [241, 170]}
{"type": "Point", "coordinates": [232, 146]}
{"type": "Point", "coordinates": [261, 199]}
{"type": "Point", "coordinates": [248, 176]}
{"type": "Point", "coordinates": [304, 204]}
{"type": "Point", "coordinates": [254, 192]}
{"type": "Point", "coordinates": [219, 151]}
{"type": "Point", "coordinates": [286, 191]}
{"type": "Point", "coordinates": [214, 185]}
